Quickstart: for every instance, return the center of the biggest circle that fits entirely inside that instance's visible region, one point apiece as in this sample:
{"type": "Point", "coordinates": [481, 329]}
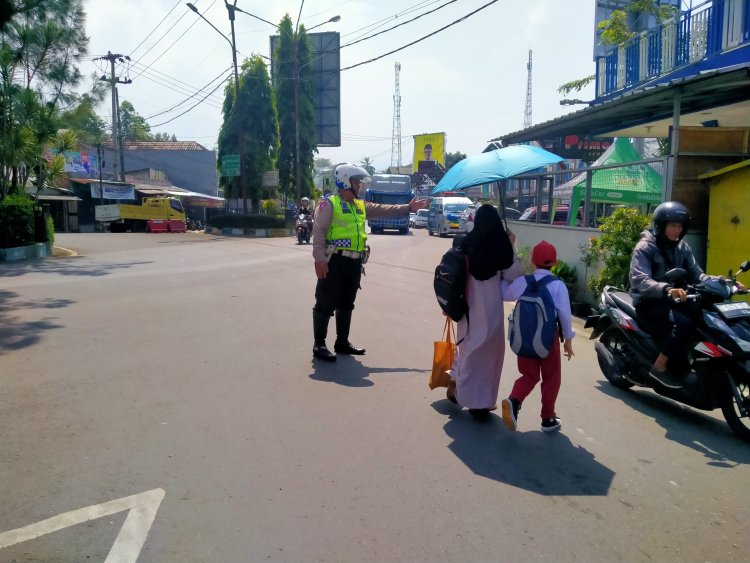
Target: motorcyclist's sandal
{"type": "Point", "coordinates": [667, 378]}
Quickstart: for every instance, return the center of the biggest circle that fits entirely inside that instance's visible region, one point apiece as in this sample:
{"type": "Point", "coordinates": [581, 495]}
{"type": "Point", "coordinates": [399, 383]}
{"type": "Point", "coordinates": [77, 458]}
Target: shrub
{"type": "Point", "coordinates": [567, 273]}
{"type": "Point", "coordinates": [238, 221]}
{"type": "Point", "coordinates": [620, 233]}
{"type": "Point", "coordinates": [16, 221]}
{"type": "Point", "coordinates": [524, 257]}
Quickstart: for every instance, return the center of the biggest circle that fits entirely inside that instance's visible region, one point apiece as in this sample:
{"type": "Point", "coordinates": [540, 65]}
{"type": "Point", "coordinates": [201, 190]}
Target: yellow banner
{"type": "Point", "coordinates": [429, 149]}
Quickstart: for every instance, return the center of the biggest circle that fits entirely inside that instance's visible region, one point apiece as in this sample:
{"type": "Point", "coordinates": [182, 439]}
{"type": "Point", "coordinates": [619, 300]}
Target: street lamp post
{"type": "Point", "coordinates": [231, 9]}
{"type": "Point", "coordinates": [238, 123]}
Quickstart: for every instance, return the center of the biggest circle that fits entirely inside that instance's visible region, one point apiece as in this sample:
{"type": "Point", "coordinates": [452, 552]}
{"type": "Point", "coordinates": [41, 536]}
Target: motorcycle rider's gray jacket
{"type": "Point", "coordinates": [648, 266]}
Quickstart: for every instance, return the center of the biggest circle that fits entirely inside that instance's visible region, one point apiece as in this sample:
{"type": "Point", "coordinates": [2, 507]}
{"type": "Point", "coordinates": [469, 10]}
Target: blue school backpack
{"type": "Point", "coordinates": [532, 325]}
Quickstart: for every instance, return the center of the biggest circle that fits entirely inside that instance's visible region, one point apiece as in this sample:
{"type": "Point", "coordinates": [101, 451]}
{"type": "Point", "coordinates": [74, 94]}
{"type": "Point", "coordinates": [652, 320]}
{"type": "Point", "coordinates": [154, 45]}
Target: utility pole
{"type": "Point", "coordinates": [120, 139]}
{"type": "Point", "coordinates": [237, 112]}
{"type": "Point", "coordinates": [114, 79]}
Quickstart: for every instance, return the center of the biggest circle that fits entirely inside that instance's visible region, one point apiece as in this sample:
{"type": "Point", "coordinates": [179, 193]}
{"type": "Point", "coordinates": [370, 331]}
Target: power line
{"type": "Point", "coordinates": [422, 38]}
{"type": "Point", "coordinates": [191, 107]}
{"type": "Point", "coordinates": [172, 83]}
{"type": "Point", "coordinates": [157, 27]}
{"type": "Point", "coordinates": [176, 40]}
{"type": "Point", "coordinates": [398, 25]}
{"type": "Point", "coordinates": [221, 75]}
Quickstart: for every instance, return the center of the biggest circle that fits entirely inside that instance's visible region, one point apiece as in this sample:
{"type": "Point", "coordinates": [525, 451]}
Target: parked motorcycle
{"type": "Point", "coordinates": [304, 228]}
{"type": "Point", "coordinates": [719, 375]}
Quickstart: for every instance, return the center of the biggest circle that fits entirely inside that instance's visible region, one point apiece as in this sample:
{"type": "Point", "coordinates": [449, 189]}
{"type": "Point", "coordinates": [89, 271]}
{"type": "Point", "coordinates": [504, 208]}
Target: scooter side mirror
{"type": "Point", "coordinates": [745, 266]}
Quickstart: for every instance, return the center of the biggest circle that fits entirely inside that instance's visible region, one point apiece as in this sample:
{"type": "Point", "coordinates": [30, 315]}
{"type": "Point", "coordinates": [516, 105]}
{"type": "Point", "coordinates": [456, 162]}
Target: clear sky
{"type": "Point", "coordinates": [468, 80]}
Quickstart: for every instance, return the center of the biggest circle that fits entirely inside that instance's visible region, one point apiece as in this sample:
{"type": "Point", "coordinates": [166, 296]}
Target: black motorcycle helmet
{"type": "Point", "coordinates": [671, 212]}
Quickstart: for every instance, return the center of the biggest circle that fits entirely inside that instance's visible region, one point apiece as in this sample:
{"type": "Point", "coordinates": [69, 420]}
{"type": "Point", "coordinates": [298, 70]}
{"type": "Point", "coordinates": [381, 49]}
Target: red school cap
{"type": "Point", "coordinates": [544, 255]}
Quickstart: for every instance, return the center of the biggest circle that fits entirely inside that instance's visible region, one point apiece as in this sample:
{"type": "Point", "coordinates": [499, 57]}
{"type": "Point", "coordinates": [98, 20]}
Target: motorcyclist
{"type": "Point", "coordinates": [304, 208]}
{"type": "Point", "coordinates": [665, 310]}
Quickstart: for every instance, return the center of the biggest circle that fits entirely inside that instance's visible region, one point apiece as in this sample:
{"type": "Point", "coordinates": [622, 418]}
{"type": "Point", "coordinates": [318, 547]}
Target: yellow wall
{"type": "Point", "coordinates": [729, 223]}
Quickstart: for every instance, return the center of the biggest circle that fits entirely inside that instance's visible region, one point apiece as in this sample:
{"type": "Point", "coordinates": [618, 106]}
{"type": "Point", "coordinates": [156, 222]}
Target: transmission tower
{"type": "Point", "coordinates": [396, 139]}
{"type": "Point", "coordinates": [527, 111]}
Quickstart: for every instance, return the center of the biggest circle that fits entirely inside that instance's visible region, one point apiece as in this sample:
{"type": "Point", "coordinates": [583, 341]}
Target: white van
{"type": "Point", "coordinates": [445, 214]}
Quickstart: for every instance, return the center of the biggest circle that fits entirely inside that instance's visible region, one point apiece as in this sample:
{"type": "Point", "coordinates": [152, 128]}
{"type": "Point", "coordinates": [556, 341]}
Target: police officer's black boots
{"type": "Point", "coordinates": [320, 331]}
{"type": "Point", "coordinates": [342, 345]}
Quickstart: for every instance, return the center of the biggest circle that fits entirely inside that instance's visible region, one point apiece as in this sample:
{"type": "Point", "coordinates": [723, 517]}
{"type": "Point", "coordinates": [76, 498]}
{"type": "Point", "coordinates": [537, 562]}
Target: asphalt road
{"type": "Point", "coordinates": [159, 403]}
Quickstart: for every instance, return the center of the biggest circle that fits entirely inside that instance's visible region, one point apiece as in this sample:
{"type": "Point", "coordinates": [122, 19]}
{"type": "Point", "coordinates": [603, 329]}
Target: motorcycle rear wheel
{"type": "Point", "coordinates": [739, 424]}
{"type": "Point", "coordinates": [612, 339]}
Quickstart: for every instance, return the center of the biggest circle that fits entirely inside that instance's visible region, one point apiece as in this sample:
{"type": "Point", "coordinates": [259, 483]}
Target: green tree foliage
{"type": "Point", "coordinates": [620, 233]}
{"type": "Point", "coordinates": [133, 126]}
{"type": "Point", "coordinates": [259, 122]}
{"type": "Point", "coordinates": [293, 66]}
{"type": "Point", "coordinates": [615, 30]}
{"type": "Point", "coordinates": [40, 48]}
{"type": "Point", "coordinates": [323, 174]}
{"type": "Point", "coordinates": [452, 158]}
{"type": "Point", "coordinates": [366, 163]}
{"type": "Point", "coordinates": [82, 119]}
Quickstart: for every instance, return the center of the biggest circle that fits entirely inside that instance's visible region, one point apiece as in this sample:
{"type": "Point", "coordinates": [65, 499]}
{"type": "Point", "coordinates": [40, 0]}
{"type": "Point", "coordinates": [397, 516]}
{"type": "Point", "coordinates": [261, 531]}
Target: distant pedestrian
{"type": "Point", "coordinates": [549, 370]}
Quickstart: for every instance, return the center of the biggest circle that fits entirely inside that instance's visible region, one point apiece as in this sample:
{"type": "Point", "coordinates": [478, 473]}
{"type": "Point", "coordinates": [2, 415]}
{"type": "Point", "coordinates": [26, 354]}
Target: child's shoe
{"type": "Point", "coordinates": [551, 424]}
{"type": "Point", "coordinates": [510, 408]}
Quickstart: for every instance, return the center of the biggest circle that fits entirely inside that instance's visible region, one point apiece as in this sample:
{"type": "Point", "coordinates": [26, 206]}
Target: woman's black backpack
{"type": "Point", "coordinates": [450, 283]}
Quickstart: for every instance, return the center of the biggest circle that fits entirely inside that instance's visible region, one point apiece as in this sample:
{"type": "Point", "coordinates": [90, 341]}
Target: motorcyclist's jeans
{"type": "Point", "coordinates": [672, 324]}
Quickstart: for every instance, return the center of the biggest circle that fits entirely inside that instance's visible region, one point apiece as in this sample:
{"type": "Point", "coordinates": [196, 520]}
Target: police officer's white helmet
{"type": "Point", "coordinates": [345, 173]}
{"type": "Point", "coordinates": [305, 200]}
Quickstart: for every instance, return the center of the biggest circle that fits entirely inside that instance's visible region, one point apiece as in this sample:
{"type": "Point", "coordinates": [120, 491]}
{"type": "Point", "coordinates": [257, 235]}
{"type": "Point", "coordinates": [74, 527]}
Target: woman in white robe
{"type": "Point", "coordinates": [478, 363]}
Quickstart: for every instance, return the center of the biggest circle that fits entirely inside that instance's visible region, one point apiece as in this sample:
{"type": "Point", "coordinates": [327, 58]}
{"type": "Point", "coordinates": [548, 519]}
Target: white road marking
{"type": "Point", "coordinates": [129, 541]}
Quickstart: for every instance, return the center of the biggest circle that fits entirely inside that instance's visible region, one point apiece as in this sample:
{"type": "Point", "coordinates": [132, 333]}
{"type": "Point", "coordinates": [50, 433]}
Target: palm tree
{"type": "Point", "coordinates": [366, 163]}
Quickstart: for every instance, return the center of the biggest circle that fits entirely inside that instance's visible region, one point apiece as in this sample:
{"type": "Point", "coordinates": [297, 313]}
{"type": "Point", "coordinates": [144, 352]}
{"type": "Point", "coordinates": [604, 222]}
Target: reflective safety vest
{"type": "Point", "coordinates": [347, 230]}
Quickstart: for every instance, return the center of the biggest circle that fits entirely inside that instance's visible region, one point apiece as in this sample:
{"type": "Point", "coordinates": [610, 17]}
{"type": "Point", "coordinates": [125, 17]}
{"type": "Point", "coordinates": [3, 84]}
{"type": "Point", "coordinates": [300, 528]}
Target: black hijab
{"type": "Point", "coordinates": [488, 247]}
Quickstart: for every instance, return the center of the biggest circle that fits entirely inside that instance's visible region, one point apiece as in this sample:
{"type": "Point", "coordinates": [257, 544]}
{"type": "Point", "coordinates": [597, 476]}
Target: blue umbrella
{"type": "Point", "coordinates": [495, 165]}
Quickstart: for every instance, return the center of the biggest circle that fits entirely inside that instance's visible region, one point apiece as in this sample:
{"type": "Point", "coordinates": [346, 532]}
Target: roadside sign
{"type": "Point", "coordinates": [230, 165]}
{"type": "Point", "coordinates": [270, 179]}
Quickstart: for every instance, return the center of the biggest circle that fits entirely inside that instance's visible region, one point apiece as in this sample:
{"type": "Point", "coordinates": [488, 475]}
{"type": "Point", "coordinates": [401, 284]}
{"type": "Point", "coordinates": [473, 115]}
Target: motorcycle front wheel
{"type": "Point", "coordinates": [613, 340]}
{"type": "Point", "coordinates": [739, 424]}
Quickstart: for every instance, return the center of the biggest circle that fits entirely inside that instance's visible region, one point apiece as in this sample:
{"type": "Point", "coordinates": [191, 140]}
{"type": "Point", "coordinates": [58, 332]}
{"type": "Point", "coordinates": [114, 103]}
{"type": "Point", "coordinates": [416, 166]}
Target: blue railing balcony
{"type": "Point", "coordinates": [703, 34]}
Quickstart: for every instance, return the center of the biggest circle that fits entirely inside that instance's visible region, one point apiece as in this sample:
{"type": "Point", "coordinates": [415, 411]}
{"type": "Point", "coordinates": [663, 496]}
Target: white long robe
{"type": "Point", "coordinates": [478, 363]}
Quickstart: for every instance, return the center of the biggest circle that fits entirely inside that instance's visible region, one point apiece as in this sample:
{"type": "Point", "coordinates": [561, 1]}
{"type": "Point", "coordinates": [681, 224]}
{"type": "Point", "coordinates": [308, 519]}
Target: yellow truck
{"type": "Point", "coordinates": [154, 214]}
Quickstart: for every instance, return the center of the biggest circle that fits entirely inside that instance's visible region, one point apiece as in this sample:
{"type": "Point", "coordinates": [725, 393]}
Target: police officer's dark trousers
{"type": "Point", "coordinates": [336, 293]}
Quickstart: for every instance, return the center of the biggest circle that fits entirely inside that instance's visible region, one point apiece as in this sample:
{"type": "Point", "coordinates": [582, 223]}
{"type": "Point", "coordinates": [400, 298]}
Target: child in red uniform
{"type": "Point", "coordinates": [544, 256]}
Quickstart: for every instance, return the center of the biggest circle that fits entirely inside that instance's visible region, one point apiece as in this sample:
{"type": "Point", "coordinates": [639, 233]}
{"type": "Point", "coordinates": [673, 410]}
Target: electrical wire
{"type": "Point", "coordinates": [172, 83]}
{"type": "Point", "coordinates": [157, 27]}
{"type": "Point", "coordinates": [421, 38]}
{"type": "Point", "coordinates": [221, 75]}
{"type": "Point", "coordinates": [176, 40]}
{"type": "Point", "coordinates": [191, 107]}
{"type": "Point", "coordinates": [397, 25]}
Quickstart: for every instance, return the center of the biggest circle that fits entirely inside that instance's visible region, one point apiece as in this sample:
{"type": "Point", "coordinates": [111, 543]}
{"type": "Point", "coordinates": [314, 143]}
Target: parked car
{"type": "Point", "coordinates": [561, 215]}
{"type": "Point", "coordinates": [466, 223]}
{"type": "Point", "coordinates": [420, 220]}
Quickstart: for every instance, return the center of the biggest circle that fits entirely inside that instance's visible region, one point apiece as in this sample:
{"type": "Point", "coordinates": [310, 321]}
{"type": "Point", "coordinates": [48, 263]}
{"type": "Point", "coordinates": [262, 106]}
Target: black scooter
{"type": "Point", "coordinates": [719, 375]}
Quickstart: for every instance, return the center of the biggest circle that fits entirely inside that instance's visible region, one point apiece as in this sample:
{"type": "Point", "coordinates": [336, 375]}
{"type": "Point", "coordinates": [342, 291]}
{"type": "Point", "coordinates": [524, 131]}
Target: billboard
{"type": "Point", "coordinates": [578, 147]}
{"type": "Point", "coordinates": [326, 71]}
{"type": "Point", "coordinates": [429, 148]}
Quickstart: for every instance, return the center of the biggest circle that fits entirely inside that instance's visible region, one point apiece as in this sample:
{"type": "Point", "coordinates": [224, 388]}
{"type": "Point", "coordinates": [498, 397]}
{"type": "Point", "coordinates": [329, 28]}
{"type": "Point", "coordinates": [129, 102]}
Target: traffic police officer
{"type": "Point", "coordinates": [339, 251]}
